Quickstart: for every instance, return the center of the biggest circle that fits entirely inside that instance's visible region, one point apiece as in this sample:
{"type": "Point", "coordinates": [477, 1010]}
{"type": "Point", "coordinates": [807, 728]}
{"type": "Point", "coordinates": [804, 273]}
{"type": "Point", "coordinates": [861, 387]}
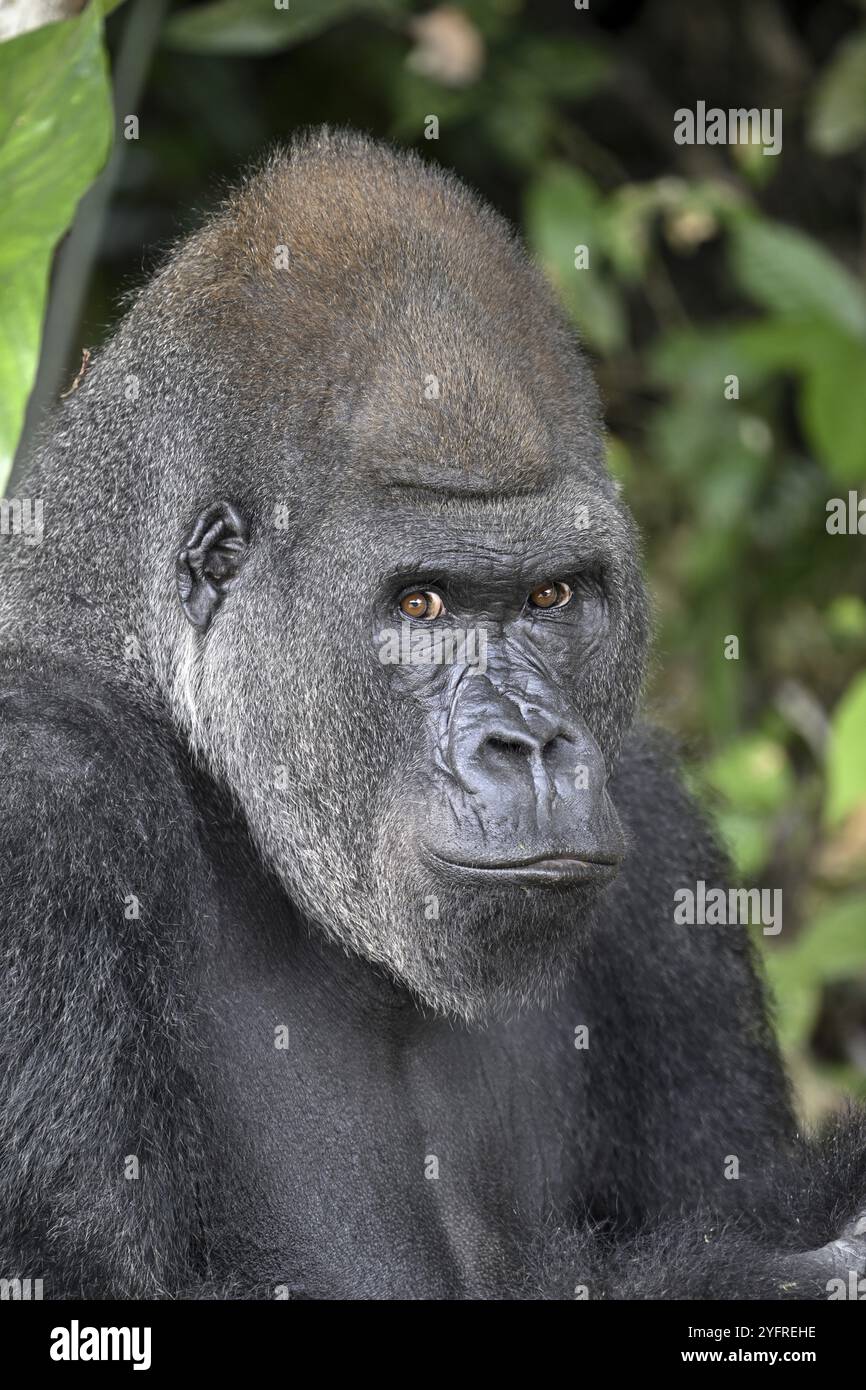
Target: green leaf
{"type": "Point", "coordinates": [747, 838]}
{"type": "Point", "coordinates": [696, 362]}
{"type": "Point", "coordinates": [837, 120]}
{"type": "Point", "coordinates": [796, 992]}
{"type": "Point", "coordinates": [564, 210]}
{"type": "Point", "coordinates": [846, 754]}
{"type": "Point", "coordinates": [830, 364]}
{"type": "Point", "coordinates": [518, 128]}
{"type": "Point", "coordinates": [767, 346]}
{"type": "Point", "coordinates": [833, 409]}
{"type": "Point", "coordinates": [251, 28]}
{"type": "Point", "coordinates": [797, 998]}
{"type": "Point", "coordinates": [751, 159]}
{"type": "Point", "coordinates": [682, 435]}
{"type": "Point", "coordinates": [845, 617]}
{"type": "Point", "coordinates": [752, 774]}
{"type": "Point", "coordinates": [833, 947]}
{"type": "Point", "coordinates": [55, 129]}
{"type": "Point", "coordinates": [836, 943]}
{"type": "Point", "coordinates": [790, 274]}
{"type": "Point", "coordinates": [564, 67]}
{"type": "Point", "coordinates": [596, 306]}
{"type": "Point", "coordinates": [630, 213]}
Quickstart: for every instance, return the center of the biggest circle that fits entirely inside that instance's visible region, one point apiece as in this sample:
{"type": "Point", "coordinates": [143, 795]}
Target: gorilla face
{"type": "Point", "coordinates": [433, 630]}
{"type": "Point", "coordinates": [432, 720]}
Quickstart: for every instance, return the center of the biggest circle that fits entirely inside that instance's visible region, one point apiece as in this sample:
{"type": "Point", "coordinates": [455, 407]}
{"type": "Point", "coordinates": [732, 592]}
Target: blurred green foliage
{"type": "Point", "coordinates": [720, 290]}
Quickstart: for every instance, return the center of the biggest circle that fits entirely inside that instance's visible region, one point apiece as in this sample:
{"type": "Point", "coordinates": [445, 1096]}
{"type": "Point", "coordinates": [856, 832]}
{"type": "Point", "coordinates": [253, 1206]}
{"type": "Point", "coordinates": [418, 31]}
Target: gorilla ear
{"type": "Point", "coordinates": [210, 561]}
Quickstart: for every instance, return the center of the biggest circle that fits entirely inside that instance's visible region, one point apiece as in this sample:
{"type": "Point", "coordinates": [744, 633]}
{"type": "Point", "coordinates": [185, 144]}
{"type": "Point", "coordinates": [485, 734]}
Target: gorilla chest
{"type": "Point", "coordinates": [365, 1155]}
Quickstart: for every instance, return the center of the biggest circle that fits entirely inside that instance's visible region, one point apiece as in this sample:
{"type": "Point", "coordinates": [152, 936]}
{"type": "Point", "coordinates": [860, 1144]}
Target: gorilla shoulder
{"type": "Point", "coordinates": [91, 798]}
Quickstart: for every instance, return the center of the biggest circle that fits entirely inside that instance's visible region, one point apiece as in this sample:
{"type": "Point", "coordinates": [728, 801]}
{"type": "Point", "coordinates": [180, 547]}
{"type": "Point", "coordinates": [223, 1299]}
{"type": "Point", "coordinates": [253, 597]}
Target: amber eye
{"type": "Point", "coordinates": [422, 603]}
{"type": "Point", "coordinates": [555, 595]}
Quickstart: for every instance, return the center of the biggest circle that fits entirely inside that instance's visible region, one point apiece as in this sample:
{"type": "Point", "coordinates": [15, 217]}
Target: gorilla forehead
{"type": "Point", "coordinates": [395, 316]}
{"type": "Point", "coordinates": [462, 414]}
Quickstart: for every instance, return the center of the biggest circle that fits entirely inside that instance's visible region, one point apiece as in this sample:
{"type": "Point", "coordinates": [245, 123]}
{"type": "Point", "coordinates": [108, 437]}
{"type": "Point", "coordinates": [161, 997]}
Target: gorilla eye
{"type": "Point", "coordinates": [422, 603]}
{"type": "Point", "coordinates": [555, 595]}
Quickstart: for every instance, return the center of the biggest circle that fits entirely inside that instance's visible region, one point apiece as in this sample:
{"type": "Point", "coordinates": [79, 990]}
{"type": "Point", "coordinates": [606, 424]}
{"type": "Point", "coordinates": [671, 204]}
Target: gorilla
{"type": "Point", "coordinates": [339, 951]}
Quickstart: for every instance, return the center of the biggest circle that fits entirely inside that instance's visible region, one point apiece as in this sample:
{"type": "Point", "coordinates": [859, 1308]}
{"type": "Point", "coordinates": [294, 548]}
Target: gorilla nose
{"type": "Point", "coordinates": [505, 754]}
{"type": "Point", "coordinates": [523, 778]}
{"type": "Point", "coordinates": [502, 746]}
{"type": "Point", "coordinates": [530, 791]}
{"type": "Point", "coordinates": [510, 760]}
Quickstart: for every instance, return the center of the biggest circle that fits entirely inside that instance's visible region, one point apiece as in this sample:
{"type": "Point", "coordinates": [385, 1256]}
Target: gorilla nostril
{"type": "Point", "coordinates": [509, 747]}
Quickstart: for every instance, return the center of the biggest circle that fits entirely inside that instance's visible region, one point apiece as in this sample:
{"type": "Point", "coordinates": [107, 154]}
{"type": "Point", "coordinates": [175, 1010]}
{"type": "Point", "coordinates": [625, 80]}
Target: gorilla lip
{"type": "Point", "coordinates": [541, 869]}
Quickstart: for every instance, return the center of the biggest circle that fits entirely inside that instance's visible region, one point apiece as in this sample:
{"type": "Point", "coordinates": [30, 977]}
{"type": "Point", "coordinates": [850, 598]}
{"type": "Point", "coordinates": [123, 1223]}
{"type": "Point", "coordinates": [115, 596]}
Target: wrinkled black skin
{"type": "Point", "coordinates": [310, 1167]}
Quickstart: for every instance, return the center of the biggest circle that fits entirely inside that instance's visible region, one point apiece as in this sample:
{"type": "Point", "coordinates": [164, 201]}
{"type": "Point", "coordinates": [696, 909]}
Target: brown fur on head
{"type": "Point", "coordinates": [343, 252]}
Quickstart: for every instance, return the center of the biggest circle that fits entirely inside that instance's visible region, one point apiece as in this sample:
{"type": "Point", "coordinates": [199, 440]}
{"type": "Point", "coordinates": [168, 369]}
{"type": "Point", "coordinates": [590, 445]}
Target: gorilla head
{"type": "Point", "coordinates": [386, 587]}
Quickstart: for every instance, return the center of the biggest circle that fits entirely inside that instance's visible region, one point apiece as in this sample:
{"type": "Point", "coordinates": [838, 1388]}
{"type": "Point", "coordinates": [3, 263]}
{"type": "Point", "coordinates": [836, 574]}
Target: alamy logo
{"type": "Point", "coordinates": [433, 646]}
{"type": "Point", "coordinates": [737, 126]}
{"type": "Point", "coordinates": [846, 516]}
{"type": "Point", "coordinates": [852, 1287]}
{"type": "Point", "coordinates": [718, 907]}
{"type": "Point", "coordinates": [20, 1290]}
{"type": "Point", "coordinates": [77, 1343]}
{"type": "Point", "coordinates": [19, 516]}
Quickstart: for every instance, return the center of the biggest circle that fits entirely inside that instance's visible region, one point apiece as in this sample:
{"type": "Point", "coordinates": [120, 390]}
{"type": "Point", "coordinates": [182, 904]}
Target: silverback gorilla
{"type": "Point", "coordinates": [338, 940]}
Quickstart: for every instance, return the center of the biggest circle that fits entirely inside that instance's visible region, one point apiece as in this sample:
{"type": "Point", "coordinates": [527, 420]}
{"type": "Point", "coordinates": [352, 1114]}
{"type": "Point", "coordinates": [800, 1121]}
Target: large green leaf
{"type": "Point", "coordinates": [846, 759]}
{"type": "Point", "coordinates": [255, 26]}
{"type": "Point", "coordinates": [830, 364]}
{"type": "Point", "coordinates": [55, 128]}
{"type": "Point", "coordinates": [838, 116]}
{"type": "Point", "coordinates": [785, 344]}
{"type": "Point", "coordinates": [790, 274]}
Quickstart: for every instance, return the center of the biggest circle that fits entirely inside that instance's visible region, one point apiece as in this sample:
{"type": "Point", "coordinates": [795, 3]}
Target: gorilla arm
{"type": "Point", "coordinates": [97, 924]}
{"type": "Point", "coordinates": [761, 1254]}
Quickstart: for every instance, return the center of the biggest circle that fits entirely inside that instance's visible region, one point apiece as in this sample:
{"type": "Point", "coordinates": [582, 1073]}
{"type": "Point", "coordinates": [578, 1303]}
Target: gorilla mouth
{"type": "Point", "coordinates": [543, 870]}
